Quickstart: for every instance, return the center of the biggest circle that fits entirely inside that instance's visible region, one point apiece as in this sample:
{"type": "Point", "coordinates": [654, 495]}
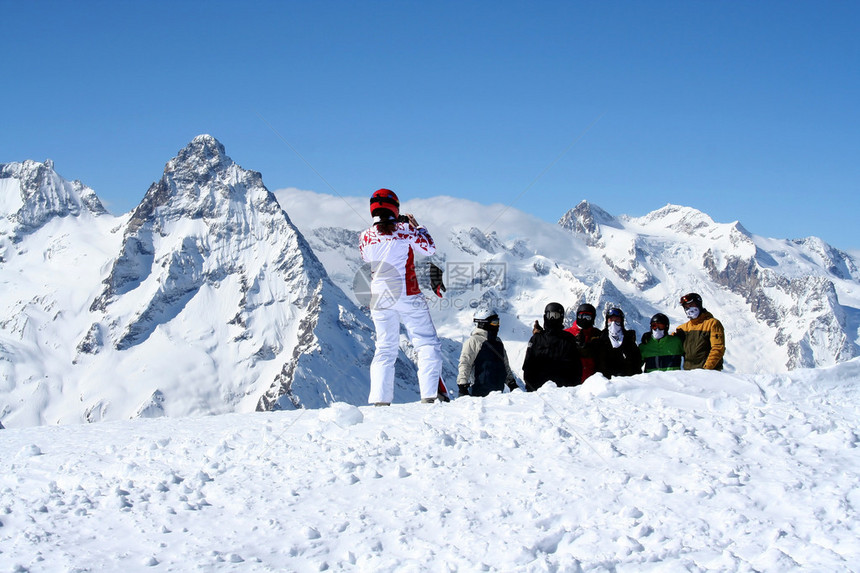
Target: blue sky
{"type": "Point", "coordinates": [746, 110]}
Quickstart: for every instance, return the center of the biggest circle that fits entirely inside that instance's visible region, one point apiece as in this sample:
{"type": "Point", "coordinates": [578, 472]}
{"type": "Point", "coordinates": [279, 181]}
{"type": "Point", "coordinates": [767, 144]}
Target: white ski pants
{"type": "Point", "coordinates": [413, 312]}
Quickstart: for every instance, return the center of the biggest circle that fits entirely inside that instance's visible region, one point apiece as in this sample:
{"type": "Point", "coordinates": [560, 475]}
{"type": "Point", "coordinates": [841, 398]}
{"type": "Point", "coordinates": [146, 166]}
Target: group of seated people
{"type": "Point", "coordinates": [569, 356]}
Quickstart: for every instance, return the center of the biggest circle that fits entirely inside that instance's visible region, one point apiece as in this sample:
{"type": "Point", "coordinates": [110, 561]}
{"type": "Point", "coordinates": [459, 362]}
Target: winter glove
{"type": "Point", "coordinates": [436, 280]}
{"type": "Point", "coordinates": [537, 328]}
{"type": "Point", "coordinates": [463, 389]}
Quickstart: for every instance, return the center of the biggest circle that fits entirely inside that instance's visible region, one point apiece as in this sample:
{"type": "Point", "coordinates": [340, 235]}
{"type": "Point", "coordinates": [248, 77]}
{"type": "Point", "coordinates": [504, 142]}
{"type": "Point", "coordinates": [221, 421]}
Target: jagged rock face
{"type": "Point", "coordinates": [44, 195]}
{"type": "Point", "coordinates": [804, 311]}
{"type": "Point", "coordinates": [201, 182]}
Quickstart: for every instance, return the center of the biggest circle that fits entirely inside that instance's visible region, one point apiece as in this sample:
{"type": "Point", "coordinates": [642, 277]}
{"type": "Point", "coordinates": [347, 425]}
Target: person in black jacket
{"type": "Point", "coordinates": [620, 354]}
{"type": "Point", "coordinates": [552, 353]}
{"type": "Point", "coordinates": [587, 339]}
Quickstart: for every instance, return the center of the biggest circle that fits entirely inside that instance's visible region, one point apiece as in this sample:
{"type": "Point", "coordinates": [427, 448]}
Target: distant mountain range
{"type": "Point", "coordinates": [216, 295]}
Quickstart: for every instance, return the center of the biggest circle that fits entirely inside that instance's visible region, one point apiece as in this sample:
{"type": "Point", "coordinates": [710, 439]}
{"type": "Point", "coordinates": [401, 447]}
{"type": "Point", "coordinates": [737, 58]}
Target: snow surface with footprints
{"type": "Point", "coordinates": [691, 471]}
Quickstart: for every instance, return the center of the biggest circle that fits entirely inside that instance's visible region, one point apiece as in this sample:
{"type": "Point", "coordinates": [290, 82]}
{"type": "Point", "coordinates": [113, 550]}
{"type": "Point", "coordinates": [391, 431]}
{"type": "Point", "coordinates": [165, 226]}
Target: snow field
{"type": "Point", "coordinates": [695, 471]}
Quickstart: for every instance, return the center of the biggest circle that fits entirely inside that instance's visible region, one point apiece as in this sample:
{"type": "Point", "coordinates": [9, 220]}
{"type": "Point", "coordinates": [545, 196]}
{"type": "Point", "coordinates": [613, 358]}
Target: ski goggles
{"type": "Point", "coordinates": [586, 316]}
{"type": "Point", "coordinates": [690, 300]}
{"type": "Point", "coordinates": [659, 326]}
{"type": "Point", "coordinates": [615, 315]}
{"type": "Point", "coordinates": [553, 315]}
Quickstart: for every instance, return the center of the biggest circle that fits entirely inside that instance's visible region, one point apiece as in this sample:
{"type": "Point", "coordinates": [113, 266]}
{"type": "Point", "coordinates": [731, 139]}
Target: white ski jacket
{"type": "Point", "coordinates": [392, 260]}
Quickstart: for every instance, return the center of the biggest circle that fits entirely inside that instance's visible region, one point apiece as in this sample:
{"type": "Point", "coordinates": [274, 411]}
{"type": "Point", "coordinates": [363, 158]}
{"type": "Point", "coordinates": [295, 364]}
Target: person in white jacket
{"type": "Point", "coordinates": [390, 245]}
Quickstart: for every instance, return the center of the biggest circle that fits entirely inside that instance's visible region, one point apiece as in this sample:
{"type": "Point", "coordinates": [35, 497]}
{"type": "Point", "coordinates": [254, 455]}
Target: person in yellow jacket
{"type": "Point", "coordinates": [704, 337]}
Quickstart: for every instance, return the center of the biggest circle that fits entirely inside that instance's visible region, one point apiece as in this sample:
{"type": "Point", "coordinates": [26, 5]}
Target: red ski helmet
{"type": "Point", "coordinates": [385, 199]}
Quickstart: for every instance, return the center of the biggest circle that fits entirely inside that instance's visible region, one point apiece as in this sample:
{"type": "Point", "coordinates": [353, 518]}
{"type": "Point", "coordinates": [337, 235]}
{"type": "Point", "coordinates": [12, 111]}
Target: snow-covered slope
{"type": "Point", "coordinates": [52, 255]}
{"type": "Point", "coordinates": [785, 304]}
{"type": "Point", "coordinates": [678, 471]}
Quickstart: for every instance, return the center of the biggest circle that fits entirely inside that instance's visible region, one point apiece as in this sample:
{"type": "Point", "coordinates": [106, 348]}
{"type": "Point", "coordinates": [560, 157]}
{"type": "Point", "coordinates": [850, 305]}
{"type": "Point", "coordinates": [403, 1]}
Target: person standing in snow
{"type": "Point", "coordinates": [619, 353]}
{"type": "Point", "coordinates": [484, 365]}
{"type": "Point", "coordinates": [552, 353]}
{"type": "Point", "coordinates": [390, 245]}
{"type": "Point", "coordinates": [704, 337]}
{"type": "Point", "coordinates": [587, 339]}
{"type": "Point", "coordinates": [660, 350]}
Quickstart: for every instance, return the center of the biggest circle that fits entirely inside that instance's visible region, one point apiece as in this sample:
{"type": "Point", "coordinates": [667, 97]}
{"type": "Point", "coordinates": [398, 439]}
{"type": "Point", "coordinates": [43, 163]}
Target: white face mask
{"type": "Point", "coordinates": [614, 328]}
{"type": "Point", "coordinates": [693, 312]}
{"type": "Point", "coordinates": [658, 334]}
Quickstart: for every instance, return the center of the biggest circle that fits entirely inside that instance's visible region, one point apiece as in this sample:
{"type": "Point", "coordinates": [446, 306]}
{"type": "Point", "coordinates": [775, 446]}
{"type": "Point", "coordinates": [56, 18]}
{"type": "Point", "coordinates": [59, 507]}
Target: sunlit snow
{"type": "Point", "coordinates": [682, 471]}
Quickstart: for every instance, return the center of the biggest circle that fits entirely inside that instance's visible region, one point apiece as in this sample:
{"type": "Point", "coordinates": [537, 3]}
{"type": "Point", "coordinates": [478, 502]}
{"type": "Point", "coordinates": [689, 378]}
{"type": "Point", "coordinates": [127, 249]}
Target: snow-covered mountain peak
{"type": "Point", "coordinates": [204, 211]}
{"type": "Point", "coordinates": [682, 219]}
{"type": "Point", "coordinates": [202, 182]}
{"type": "Point", "coordinates": [203, 155]}
{"type": "Point", "coordinates": [692, 223]}
{"type": "Point", "coordinates": [32, 193]}
{"type": "Point", "coordinates": [838, 263]}
{"type": "Point", "coordinates": [586, 220]}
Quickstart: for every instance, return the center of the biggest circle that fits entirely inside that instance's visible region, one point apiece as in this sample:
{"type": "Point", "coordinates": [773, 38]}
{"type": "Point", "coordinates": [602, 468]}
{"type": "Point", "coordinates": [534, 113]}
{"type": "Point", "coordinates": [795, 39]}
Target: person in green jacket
{"type": "Point", "coordinates": [659, 349]}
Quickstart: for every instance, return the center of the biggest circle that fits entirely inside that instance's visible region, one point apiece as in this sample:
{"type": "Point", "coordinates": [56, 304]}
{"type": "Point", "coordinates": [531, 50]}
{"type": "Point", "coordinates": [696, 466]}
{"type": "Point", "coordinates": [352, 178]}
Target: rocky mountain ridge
{"type": "Point", "coordinates": [43, 195]}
